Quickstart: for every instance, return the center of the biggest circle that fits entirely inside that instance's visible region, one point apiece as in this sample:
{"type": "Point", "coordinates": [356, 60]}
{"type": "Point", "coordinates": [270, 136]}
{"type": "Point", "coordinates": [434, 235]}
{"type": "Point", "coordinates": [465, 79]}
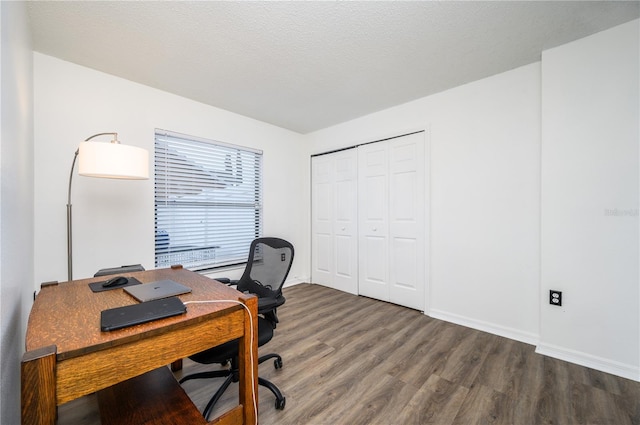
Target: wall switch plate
{"type": "Point", "coordinates": [555, 297]}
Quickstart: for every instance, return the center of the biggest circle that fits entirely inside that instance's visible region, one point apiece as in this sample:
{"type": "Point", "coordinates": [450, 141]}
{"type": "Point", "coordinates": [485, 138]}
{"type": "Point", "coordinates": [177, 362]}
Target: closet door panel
{"type": "Point", "coordinates": [373, 207]}
{"type": "Point", "coordinates": [334, 220]}
{"type": "Point", "coordinates": [404, 259]}
{"type": "Point", "coordinates": [323, 258]}
{"type": "Point", "coordinates": [373, 194]}
{"type": "Point", "coordinates": [345, 226]}
{"type": "Point", "coordinates": [374, 268]}
{"type": "Point", "coordinates": [343, 258]}
{"type": "Point", "coordinates": [322, 221]}
{"type": "Point", "coordinates": [406, 221]}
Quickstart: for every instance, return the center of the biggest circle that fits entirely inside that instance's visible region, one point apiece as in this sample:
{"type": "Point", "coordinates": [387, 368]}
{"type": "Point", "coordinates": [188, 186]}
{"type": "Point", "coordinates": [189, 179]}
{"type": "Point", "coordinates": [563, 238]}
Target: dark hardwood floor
{"type": "Point", "coordinates": [353, 360]}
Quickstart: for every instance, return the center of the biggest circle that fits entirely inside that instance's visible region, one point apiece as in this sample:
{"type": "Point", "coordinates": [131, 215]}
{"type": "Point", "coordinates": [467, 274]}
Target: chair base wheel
{"type": "Point", "coordinates": [281, 403]}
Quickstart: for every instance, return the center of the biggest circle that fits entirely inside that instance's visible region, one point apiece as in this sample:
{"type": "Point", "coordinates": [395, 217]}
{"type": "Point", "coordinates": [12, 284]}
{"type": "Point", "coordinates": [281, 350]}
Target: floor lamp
{"type": "Point", "coordinates": [106, 160]}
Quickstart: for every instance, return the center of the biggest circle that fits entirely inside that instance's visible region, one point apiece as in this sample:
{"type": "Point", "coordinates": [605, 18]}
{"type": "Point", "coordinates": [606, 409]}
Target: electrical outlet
{"type": "Point", "coordinates": [555, 297]}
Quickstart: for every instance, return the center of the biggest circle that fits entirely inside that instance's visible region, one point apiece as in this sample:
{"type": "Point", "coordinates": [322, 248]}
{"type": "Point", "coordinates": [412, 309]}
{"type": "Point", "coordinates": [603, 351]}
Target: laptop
{"type": "Point", "coordinates": [121, 317]}
{"type": "Point", "coordinates": [156, 290]}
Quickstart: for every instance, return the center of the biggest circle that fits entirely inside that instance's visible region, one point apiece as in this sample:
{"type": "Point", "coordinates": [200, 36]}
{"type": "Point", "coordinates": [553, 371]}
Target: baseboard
{"type": "Point", "coordinates": [294, 281]}
{"type": "Point", "coordinates": [587, 360]}
{"type": "Point", "coordinates": [492, 328]}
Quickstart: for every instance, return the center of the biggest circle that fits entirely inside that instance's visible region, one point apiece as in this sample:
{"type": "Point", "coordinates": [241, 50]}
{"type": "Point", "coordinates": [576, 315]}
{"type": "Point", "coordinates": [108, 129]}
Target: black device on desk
{"type": "Point", "coordinates": [116, 281]}
{"type": "Point", "coordinates": [121, 317]}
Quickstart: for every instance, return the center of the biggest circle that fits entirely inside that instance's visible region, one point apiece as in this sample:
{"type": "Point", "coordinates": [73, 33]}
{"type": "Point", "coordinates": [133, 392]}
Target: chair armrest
{"type": "Point", "coordinates": [226, 280]}
{"type": "Point", "coordinates": [267, 304]}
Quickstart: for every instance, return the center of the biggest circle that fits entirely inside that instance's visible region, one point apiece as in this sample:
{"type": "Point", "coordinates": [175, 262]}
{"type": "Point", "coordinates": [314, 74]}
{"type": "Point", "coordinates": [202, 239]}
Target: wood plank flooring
{"type": "Point", "coordinates": [352, 360]}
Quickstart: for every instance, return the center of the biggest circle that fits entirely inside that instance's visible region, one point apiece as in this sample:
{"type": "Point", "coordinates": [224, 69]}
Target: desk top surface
{"type": "Point", "coordinates": [67, 315]}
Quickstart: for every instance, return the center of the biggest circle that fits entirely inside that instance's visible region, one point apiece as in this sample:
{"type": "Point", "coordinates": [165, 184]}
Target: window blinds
{"type": "Point", "coordinates": [208, 201]}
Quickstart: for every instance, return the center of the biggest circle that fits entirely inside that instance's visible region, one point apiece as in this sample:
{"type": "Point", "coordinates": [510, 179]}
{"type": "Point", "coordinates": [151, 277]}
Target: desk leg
{"type": "Point", "coordinates": [176, 366]}
{"type": "Point", "coordinates": [249, 370]}
{"type": "Point", "coordinates": [38, 392]}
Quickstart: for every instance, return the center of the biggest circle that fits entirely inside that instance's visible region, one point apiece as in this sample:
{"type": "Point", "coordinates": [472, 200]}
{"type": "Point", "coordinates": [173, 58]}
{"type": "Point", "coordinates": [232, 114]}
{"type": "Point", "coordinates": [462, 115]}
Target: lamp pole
{"type": "Point", "coordinates": [69, 221]}
{"type": "Point", "coordinates": [69, 238]}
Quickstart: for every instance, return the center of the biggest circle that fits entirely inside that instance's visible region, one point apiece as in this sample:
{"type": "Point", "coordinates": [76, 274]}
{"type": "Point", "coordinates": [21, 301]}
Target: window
{"type": "Point", "coordinates": [208, 201]}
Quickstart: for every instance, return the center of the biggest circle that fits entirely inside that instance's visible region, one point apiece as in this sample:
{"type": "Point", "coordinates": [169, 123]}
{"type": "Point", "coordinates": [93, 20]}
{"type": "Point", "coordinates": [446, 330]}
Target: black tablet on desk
{"type": "Point", "coordinates": [121, 317]}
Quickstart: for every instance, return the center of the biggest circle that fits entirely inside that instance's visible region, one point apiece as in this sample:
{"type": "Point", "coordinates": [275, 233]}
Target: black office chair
{"type": "Point", "coordinates": [267, 268]}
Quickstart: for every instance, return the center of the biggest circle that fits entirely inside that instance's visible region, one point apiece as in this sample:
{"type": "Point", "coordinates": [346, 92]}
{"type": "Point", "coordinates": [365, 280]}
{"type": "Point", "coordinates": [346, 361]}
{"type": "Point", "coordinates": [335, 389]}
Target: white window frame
{"type": "Point", "coordinates": [207, 203]}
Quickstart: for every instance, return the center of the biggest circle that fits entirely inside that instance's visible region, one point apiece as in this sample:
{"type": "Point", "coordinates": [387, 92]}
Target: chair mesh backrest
{"type": "Point", "coordinates": [267, 268]}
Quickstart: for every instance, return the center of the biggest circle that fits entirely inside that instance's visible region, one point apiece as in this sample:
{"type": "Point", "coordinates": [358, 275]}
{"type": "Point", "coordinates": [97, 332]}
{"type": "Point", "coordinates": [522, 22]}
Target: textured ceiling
{"type": "Point", "coordinates": [309, 65]}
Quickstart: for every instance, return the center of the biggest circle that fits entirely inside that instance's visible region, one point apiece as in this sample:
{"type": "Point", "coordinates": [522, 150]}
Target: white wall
{"type": "Point", "coordinates": [113, 220]}
{"type": "Point", "coordinates": [508, 222]}
{"type": "Point", "coordinates": [16, 200]}
{"type": "Point", "coordinates": [484, 207]}
{"type": "Point", "coordinates": [590, 184]}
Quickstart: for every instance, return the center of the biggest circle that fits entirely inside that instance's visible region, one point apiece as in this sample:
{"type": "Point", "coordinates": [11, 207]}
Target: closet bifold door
{"type": "Point", "coordinates": [334, 220]}
{"type": "Point", "coordinates": [391, 220]}
{"type": "Point", "coordinates": [373, 222]}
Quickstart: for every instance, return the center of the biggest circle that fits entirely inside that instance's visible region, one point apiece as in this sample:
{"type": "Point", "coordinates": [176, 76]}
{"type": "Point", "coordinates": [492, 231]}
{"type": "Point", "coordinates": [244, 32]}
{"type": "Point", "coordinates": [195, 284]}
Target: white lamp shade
{"type": "Point", "coordinates": [113, 161]}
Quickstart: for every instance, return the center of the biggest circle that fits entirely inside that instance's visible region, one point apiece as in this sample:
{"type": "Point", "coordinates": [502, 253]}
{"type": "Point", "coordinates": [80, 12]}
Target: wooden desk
{"type": "Point", "coordinates": [68, 356]}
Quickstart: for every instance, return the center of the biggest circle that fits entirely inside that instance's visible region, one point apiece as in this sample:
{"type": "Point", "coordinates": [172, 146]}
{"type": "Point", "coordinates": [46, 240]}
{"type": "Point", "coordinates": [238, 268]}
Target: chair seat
{"type": "Point", "coordinates": [270, 303]}
{"type": "Point", "coordinates": [228, 350]}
